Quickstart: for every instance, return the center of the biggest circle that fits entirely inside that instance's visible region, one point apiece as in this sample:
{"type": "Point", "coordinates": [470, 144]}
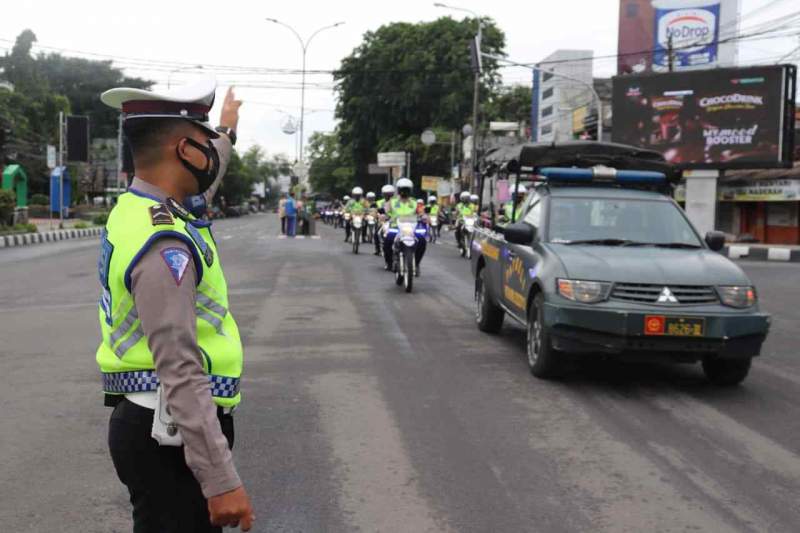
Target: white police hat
{"type": "Point", "coordinates": [191, 102]}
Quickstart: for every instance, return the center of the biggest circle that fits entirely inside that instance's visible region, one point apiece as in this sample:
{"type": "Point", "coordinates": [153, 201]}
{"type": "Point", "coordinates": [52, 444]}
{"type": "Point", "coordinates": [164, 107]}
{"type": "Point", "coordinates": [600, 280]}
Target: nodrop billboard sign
{"type": "Point", "coordinates": [688, 34]}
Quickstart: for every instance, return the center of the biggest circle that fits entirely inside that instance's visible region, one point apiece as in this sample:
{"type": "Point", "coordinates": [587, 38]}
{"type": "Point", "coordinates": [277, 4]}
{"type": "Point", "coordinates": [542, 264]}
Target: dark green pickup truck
{"type": "Point", "coordinates": [601, 261]}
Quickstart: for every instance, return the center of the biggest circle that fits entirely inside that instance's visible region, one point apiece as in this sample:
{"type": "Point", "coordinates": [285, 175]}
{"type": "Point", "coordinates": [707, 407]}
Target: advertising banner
{"type": "Point", "coordinates": [664, 35]}
{"type": "Point", "coordinates": [773, 190]}
{"type": "Point", "coordinates": [430, 183]}
{"type": "Point", "coordinates": [715, 119]}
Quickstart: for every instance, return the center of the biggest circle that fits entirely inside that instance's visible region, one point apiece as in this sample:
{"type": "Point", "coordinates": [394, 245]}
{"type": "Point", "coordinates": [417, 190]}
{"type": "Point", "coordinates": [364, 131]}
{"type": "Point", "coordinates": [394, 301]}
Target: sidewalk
{"type": "Point", "coordinates": [763, 252]}
{"type": "Point", "coordinates": [44, 233]}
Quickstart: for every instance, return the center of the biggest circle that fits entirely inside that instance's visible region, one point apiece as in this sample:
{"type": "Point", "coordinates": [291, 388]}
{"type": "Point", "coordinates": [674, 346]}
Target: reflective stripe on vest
{"type": "Point", "coordinates": [147, 381]}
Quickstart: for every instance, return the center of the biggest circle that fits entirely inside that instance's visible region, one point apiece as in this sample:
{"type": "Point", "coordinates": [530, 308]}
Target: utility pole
{"type": "Point", "coordinates": [61, 170]}
{"type": "Point", "coordinates": [475, 104]}
{"type": "Point", "coordinates": [670, 56]}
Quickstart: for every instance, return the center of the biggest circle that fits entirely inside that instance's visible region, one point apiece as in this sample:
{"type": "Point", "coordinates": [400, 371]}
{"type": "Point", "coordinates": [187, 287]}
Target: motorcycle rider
{"type": "Point", "coordinates": [462, 209]}
{"type": "Point", "coordinates": [512, 207]}
{"type": "Point", "coordinates": [404, 206]}
{"type": "Point", "coordinates": [345, 201]}
{"type": "Point", "coordinates": [433, 212]}
{"type": "Point", "coordinates": [356, 206]}
{"type": "Point", "coordinates": [387, 192]}
{"type": "Point", "coordinates": [372, 209]}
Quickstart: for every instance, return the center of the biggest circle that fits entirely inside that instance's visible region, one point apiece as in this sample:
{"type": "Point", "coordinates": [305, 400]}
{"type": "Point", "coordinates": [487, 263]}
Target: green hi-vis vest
{"type": "Point", "coordinates": [135, 223]}
{"type": "Point", "coordinates": [434, 210]}
{"type": "Point", "coordinates": [356, 207]}
{"type": "Point", "coordinates": [401, 208]}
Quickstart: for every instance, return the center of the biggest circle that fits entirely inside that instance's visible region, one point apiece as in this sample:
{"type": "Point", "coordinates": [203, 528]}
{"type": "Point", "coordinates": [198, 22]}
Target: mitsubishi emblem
{"type": "Point", "coordinates": [667, 297]}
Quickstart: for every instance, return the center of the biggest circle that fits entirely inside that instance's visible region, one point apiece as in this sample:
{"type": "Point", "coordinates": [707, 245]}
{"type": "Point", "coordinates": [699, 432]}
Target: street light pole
{"type": "Point", "coordinates": [590, 86]}
{"type": "Point", "coordinates": [476, 88]}
{"type": "Point", "coordinates": [304, 46]}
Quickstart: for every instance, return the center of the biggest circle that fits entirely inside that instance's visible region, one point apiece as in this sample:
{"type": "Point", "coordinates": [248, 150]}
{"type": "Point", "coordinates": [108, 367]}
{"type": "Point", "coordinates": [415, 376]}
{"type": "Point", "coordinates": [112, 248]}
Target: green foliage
{"type": "Point", "coordinates": [246, 170]}
{"type": "Point", "coordinates": [512, 104]}
{"type": "Point", "coordinates": [39, 199]}
{"type": "Point", "coordinates": [331, 169]}
{"type": "Point", "coordinates": [404, 78]}
{"type": "Point", "coordinates": [100, 220]}
{"type": "Point", "coordinates": [8, 201]}
{"type": "Point", "coordinates": [81, 225]}
{"type": "Point", "coordinates": [45, 85]}
{"type": "Point", "coordinates": [26, 228]}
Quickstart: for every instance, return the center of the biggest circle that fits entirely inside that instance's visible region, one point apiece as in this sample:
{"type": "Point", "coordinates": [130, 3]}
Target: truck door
{"type": "Point", "coordinates": [518, 263]}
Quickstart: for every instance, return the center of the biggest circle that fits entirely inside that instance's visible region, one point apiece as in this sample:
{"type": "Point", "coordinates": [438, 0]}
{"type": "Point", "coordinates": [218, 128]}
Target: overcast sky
{"type": "Point", "coordinates": [234, 33]}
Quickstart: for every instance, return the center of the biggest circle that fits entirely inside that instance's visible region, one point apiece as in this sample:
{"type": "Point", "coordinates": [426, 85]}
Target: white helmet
{"type": "Point", "coordinates": [464, 196]}
{"type": "Point", "coordinates": [431, 199]}
{"type": "Point", "coordinates": [474, 198]}
{"type": "Point", "coordinates": [370, 195]}
{"type": "Point", "coordinates": [420, 201]}
{"type": "Point", "coordinates": [357, 191]}
{"type": "Point", "coordinates": [405, 183]}
{"type": "Point", "coordinates": [387, 189]}
{"type": "Point", "coordinates": [521, 190]}
{"type": "Point", "coordinates": [346, 198]}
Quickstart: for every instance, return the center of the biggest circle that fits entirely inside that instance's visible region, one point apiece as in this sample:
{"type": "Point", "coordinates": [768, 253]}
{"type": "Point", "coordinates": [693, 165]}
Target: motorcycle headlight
{"type": "Point", "coordinates": [587, 292]}
{"type": "Point", "coordinates": [739, 297]}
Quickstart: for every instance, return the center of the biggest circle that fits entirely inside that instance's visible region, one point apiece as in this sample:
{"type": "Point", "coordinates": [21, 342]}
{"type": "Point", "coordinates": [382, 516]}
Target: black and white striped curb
{"type": "Point", "coordinates": [762, 253]}
{"type": "Point", "coordinates": [25, 239]}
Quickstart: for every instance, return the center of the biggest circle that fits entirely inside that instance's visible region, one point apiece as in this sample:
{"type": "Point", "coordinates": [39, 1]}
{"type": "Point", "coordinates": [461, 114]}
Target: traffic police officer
{"type": "Point", "coordinates": [170, 355]}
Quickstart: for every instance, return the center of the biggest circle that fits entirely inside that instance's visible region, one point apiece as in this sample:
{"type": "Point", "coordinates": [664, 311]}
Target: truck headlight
{"type": "Point", "coordinates": [587, 292]}
{"type": "Point", "coordinates": [737, 296]}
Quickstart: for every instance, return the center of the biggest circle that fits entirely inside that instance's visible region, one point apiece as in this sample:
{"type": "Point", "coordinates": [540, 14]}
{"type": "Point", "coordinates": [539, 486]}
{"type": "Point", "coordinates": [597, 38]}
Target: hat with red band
{"type": "Point", "coordinates": [191, 102]}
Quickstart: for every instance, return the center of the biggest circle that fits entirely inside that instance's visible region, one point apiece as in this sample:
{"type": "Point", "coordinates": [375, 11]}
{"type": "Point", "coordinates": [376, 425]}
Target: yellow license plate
{"type": "Point", "coordinates": [657, 325]}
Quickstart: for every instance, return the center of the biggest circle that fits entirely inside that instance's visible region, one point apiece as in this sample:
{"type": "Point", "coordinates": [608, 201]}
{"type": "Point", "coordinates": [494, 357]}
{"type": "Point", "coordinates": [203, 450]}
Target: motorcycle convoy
{"type": "Point", "coordinates": [400, 227]}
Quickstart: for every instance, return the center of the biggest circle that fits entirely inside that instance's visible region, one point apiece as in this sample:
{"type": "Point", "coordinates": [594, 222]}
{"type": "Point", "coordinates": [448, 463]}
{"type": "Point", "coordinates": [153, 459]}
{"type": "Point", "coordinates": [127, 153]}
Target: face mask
{"type": "Point", "coordinates": [205, 176]}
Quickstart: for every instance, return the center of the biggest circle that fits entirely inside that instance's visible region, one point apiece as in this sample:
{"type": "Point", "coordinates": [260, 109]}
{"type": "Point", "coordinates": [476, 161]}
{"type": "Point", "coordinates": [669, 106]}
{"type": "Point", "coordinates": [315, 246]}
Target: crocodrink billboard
{"type": "Point", "coordinates": [715, 119]}
{"type": "Point", "coordinates": [664, 35]}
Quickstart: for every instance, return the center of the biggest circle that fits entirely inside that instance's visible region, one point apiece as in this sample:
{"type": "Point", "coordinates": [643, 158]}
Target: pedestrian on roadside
{"type": "Point", "coordinates": [291, 215]}
{"type": "Point", "coordinates": [170, 355]}
{"type": "Point", "coordinates": [282, 213]}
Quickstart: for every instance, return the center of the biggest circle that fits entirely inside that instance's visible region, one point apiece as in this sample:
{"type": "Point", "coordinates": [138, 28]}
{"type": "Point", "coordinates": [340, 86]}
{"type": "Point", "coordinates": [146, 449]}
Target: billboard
{"type": "Point", "coordinates": [713, 119]}
{"type": "Point", "coordinates": [671, 35]}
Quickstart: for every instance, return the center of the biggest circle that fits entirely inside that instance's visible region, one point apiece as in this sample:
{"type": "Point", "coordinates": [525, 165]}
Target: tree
{"type": "Point", "coordinates": [404, 78]}
{"type": "Point", "coordinates": [331, 169]}
{"type": "Point", "coordinates": [511, 104]}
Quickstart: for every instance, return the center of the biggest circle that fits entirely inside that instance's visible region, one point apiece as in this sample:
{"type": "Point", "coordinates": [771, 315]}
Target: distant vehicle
{"type": "Point", "coordinates": [601, 261]}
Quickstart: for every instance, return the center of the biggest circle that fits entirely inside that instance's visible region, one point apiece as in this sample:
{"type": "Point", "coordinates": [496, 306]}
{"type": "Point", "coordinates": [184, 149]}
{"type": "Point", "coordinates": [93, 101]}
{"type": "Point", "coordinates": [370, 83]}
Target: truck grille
{"type": "Point", "coordinates": [652, 294]}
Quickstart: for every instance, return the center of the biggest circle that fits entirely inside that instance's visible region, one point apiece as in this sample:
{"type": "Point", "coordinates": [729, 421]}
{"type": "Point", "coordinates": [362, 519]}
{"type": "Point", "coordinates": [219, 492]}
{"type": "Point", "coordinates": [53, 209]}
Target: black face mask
{"type": "Point", "coordinates": [205, 176]}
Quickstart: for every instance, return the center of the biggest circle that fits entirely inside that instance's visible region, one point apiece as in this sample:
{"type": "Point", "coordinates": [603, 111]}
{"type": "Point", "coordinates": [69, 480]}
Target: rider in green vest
{"type": "Point", "coordinates": [513, 207]}
{"type": "Point", "coordinates": [405, 206]}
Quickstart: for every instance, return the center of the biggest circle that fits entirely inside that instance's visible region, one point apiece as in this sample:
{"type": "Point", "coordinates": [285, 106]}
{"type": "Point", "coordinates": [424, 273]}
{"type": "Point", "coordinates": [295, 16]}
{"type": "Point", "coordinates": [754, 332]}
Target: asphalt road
{"type": "Point", "coordinates": [366, 409]}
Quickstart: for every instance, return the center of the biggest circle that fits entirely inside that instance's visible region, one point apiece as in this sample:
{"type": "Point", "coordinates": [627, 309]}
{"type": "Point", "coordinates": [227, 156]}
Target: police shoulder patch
{"type": "Point", "coordinates": [177, 260]}
{"type": "Point", "coordinates": [160, 215]}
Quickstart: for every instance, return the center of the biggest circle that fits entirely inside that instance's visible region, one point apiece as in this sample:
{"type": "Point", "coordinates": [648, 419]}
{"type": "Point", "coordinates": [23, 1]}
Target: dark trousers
{"type": "Point", "coordinates": [283, 225]}
{"type": "Point", "coordinates": [165, 495]}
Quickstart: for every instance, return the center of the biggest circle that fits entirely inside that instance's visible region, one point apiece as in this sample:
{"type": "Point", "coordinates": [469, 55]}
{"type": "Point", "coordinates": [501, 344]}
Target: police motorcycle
{"type": "Point", "coordinates": [357, 226]}
{"type": "Point", "coordinates": [409, 229]}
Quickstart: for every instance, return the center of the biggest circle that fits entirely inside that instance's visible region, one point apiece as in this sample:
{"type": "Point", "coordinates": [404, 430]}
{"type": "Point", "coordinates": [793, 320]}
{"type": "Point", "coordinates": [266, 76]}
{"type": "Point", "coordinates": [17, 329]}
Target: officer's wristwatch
{"type": "Point", "coordinates": [230, 132]}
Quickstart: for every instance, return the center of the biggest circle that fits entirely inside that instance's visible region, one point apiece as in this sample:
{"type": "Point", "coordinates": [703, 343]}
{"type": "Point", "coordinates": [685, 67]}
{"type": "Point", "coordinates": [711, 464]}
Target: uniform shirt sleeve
{"type": "Point", "coordinates": [224, 149]}
{"type": "Point", "coordinates": [165, 300]}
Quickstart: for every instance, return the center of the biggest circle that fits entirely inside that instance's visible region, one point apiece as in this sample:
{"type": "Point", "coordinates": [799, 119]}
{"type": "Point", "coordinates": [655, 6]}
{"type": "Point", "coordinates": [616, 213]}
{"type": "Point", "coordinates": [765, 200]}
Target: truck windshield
{"type": "Point", "coordinates": [618, 222]}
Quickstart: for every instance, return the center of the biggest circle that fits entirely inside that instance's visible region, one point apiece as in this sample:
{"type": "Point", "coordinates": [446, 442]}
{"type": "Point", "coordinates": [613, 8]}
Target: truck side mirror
{"type": "Point", "coordinates": [519, 233]}
{"type": "Point", "coordinates": [715, 240]}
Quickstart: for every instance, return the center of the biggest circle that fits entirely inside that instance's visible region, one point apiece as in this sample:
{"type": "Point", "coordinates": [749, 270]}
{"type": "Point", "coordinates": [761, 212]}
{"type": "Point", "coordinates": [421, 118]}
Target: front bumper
{"type": "Point", "coordinates": [608, 330]}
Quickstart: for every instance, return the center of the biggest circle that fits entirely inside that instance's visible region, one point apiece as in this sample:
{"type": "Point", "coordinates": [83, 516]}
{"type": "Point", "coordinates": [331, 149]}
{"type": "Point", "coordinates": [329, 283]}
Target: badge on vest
{"type": "Point", "coordinates": [177, 260]}
{"type": "Point", "coordinates": [179, 211]}
{"type": "Point", "coordinates": [205, 249]}
{"type": "Point", "coordinates": [160, 215]}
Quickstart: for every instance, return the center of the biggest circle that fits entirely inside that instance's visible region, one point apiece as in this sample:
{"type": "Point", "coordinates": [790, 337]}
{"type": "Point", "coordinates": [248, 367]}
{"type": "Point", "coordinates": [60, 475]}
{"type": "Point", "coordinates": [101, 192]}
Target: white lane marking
{"type": "Point", "coordinates": [377, 480]}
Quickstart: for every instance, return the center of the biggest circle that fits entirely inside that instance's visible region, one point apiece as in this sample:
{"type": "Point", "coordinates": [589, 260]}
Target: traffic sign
{"type": "Point", "coordinates": [392, 159]}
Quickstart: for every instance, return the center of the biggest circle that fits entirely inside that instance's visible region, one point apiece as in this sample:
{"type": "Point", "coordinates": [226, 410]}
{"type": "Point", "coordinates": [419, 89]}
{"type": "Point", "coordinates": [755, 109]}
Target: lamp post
{"type": "Point", "coordinates": [589, 85]}
{"type": "Point", "coordinates": [477, 83]}
{"type": "Point", "coordinates": [180, 69]}
{"type": "Point", "coordinates": [304, 45]}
